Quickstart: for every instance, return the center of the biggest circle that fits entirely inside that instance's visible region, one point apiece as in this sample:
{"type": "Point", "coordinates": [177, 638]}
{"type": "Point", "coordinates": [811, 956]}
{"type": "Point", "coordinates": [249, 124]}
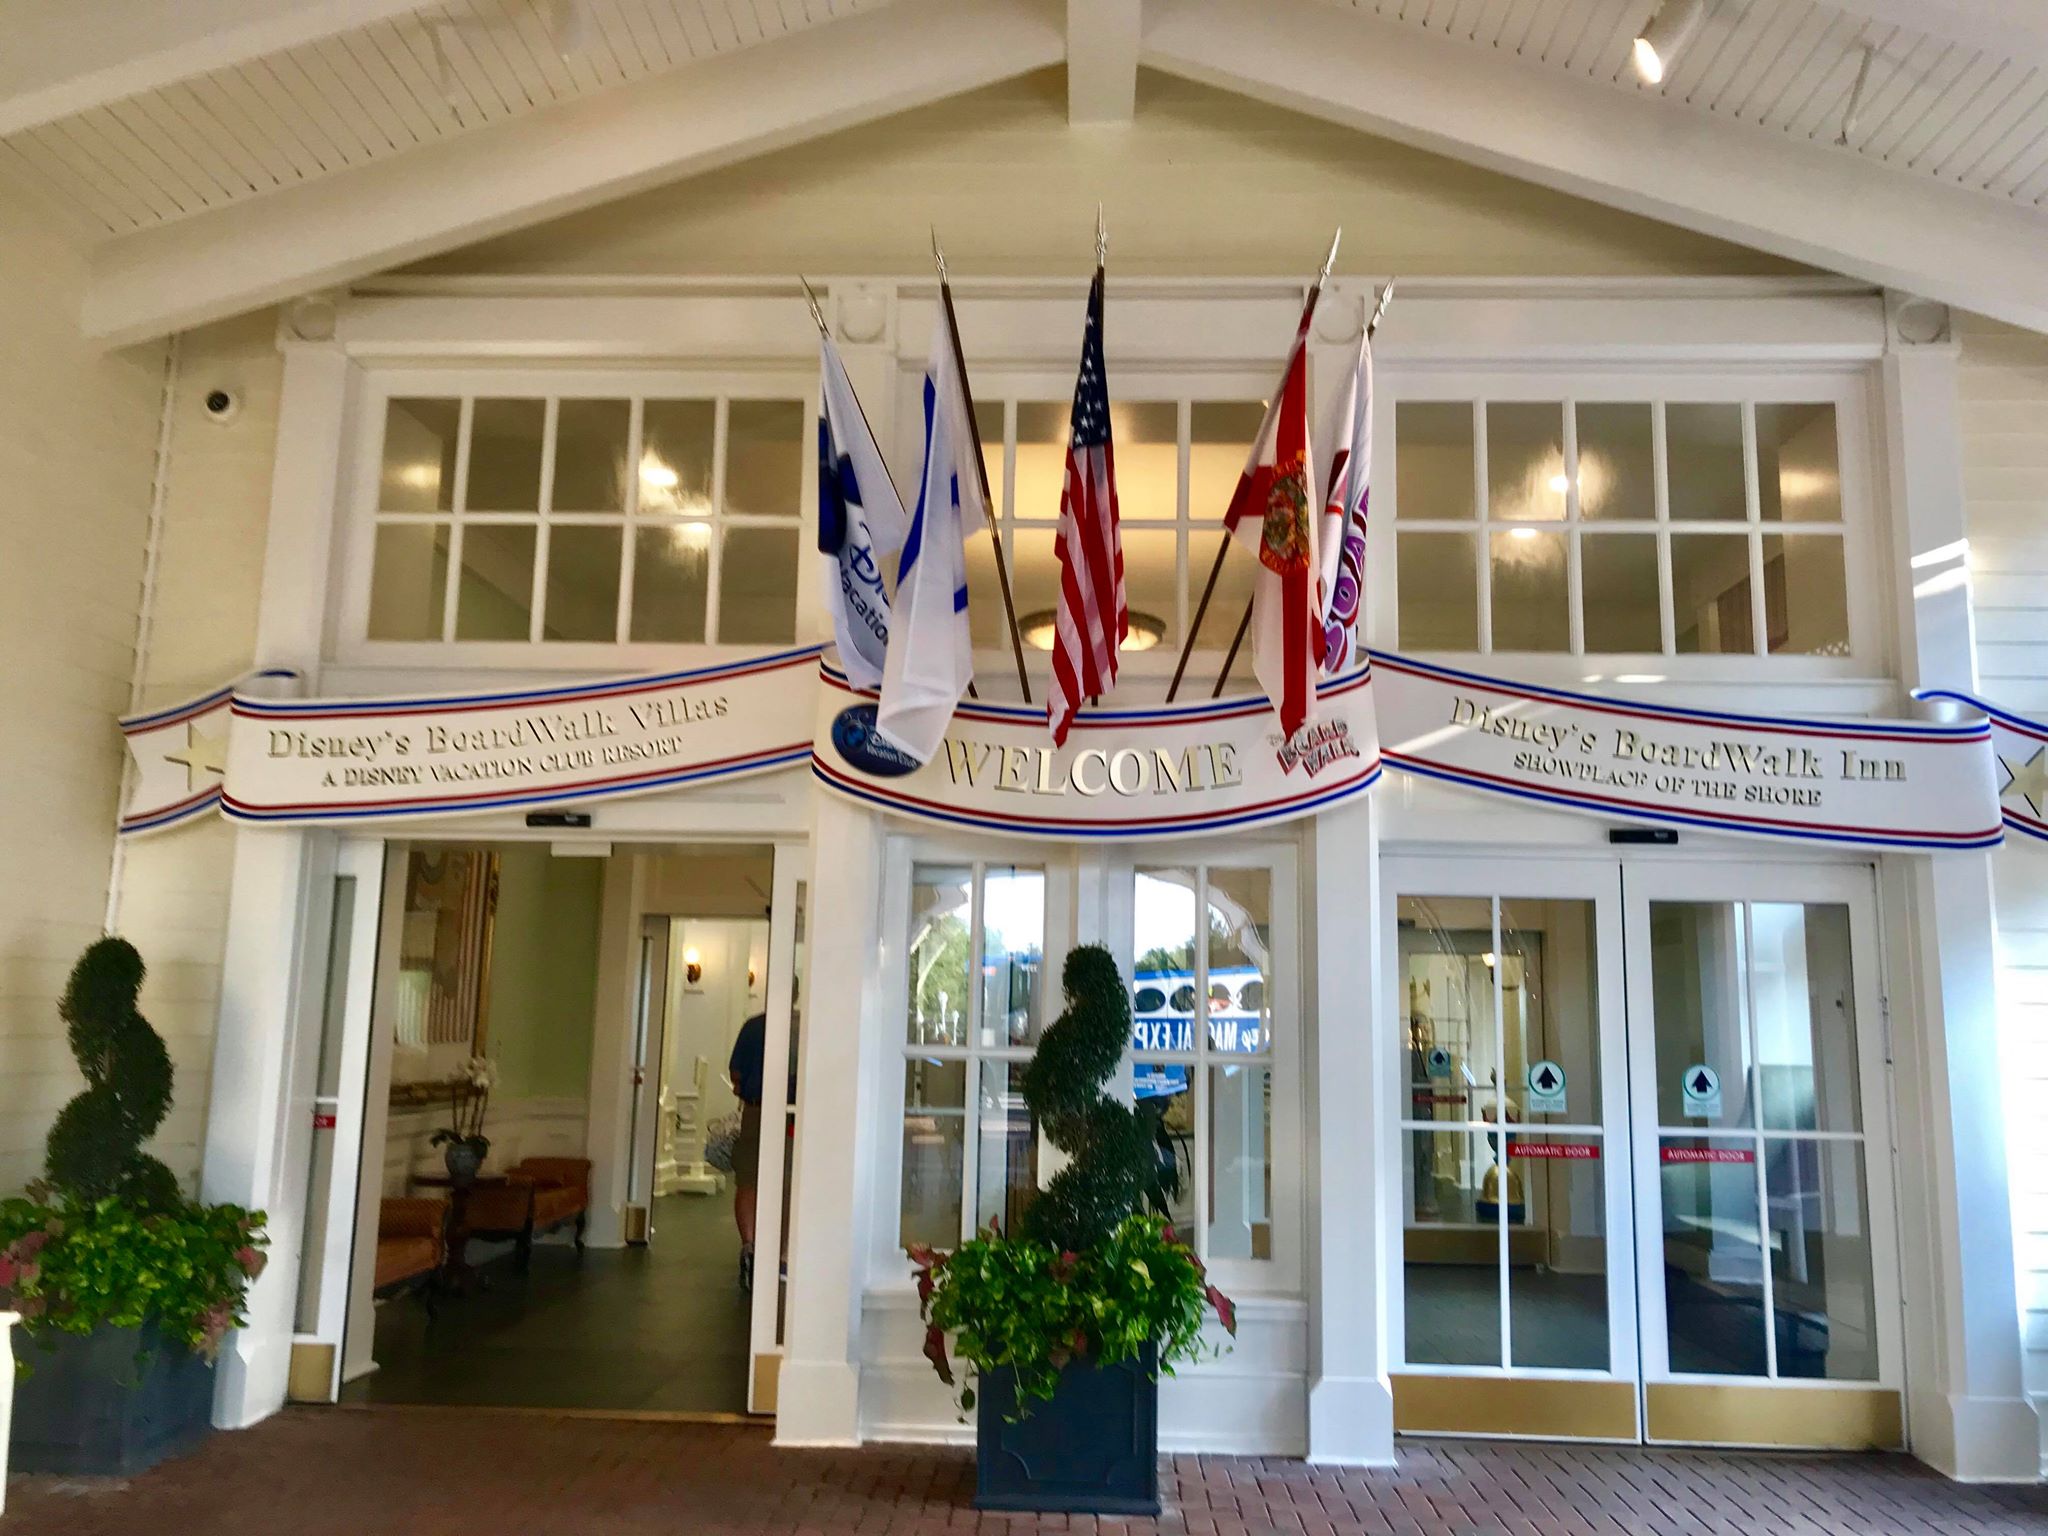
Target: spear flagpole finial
{"type": "Point", "coordinates": [1379, 310]}
{"type": "Point", "coordinates": [1330, 260]}
{"type": "Point", "coordinates": [938, 254]}
{"type": "Point", "coordinates": [811, 298]}
{"type": "Point", "coordinates": [1101, 238]}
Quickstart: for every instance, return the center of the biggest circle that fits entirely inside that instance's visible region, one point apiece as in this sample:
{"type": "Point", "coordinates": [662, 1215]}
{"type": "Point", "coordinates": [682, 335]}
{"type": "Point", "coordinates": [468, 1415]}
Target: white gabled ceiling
{"type": "Point", "coordinates": [222, 154]}
{"type": "Point", "coordinates": [1956, 92]}
{"type": "Point", "coordinates": [358, 96]}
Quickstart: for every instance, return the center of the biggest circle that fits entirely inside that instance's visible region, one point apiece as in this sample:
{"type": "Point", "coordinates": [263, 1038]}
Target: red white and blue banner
{"type": "Point", "coordinates": [1126, 773]}
{"type": "Point", "coordinates": [1173, 770]}
{"type": "Point", "coordinates": [321, 760]}
{"type": "Point", "coordinates": [181, 754]}
{"type": "Point", "coordinates": [1868, 783]}
{"type": "Point", "coordinates": [2020, 747]}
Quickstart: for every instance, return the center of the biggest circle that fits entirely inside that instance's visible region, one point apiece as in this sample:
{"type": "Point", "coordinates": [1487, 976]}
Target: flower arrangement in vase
{"type": "Point", "coordinates": [462, 1139]}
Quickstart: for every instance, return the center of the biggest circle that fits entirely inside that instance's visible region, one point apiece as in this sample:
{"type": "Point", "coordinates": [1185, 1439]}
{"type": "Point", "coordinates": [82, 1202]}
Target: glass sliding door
{"type": "Point", "coordinates": [1516, 1303]}
{"type": "Point", "coordinates": [1766, 1260]}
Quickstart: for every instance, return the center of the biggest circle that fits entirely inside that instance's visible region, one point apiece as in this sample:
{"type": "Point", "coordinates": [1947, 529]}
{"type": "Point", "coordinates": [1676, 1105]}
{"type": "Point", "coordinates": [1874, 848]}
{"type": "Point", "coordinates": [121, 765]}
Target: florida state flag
{"type": "Point", "coordinates": [1273, 513]}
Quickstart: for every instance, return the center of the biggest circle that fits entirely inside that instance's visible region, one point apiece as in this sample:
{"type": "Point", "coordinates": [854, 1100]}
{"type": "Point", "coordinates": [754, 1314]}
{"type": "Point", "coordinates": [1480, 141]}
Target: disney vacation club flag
{"type": "Point", "coordinates": [1341, 539]}
{"type": "Point", "coordinates": [1093, 617]}
{"type": "Point", "coordinates": [1273, 515]}
{"type": "Point", "coordinates": [861, 523]}
{"type": "Point", "coordinates": [931, 655]}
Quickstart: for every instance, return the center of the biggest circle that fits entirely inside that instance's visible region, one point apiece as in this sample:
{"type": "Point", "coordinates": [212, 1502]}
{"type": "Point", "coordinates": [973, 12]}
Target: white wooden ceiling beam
{"type": "Point", "coordinates": [559, 161]}
{"type": "Point", "coordinates": [1801, 201]}
{"type": "Point", "coordinates": [64, 58]}
{"type": "Point", "coordinates": [1102, 60]}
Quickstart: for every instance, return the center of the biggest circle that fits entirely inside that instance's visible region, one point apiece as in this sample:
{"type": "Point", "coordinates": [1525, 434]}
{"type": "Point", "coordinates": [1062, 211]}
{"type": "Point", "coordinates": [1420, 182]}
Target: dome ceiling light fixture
{"type": "Point", "coordinates": [1145, 631]}
{"type": "Point", "coordinates": [1670, 28]}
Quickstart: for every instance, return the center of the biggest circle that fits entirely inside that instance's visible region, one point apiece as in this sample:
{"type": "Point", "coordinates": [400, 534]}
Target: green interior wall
{"type": "Point", "coordinates": [544, 973]}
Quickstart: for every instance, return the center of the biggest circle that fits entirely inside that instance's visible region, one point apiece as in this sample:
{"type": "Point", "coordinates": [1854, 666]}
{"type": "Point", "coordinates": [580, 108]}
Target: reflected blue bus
{"type": "Point", "coordinates": [1163, 1020]}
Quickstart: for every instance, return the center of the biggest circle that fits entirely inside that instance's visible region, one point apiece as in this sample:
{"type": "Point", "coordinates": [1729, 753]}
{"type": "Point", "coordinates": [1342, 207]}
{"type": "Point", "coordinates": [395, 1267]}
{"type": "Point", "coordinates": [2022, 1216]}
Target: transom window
{"type": "Point", "coordinates": [609, 519]}
{"type": "Point", "coordinates": [1177, 462]}
{"type": "Point", "coordinates": [1652, 527]}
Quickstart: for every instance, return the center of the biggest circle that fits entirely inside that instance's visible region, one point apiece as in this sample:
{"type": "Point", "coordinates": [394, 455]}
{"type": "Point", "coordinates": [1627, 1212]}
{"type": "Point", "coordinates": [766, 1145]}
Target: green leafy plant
{"type": "Point", "coordinates": [69, 1264]}
{"type": "Point", "coordinates": [107, 1237]}
{"type": "Point", "coordinates": [1089, 1274]}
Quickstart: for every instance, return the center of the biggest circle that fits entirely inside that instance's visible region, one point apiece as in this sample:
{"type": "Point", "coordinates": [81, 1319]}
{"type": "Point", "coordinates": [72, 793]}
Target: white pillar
{"type": "Point", "coordinates": [1350, 1258]}
{"type": "Point", "coordinates": [259, 1125]}
{"type": "Point", "coordinates": [840, 1105]}
{"type": "Point", "coordinates": [1969, 1413]}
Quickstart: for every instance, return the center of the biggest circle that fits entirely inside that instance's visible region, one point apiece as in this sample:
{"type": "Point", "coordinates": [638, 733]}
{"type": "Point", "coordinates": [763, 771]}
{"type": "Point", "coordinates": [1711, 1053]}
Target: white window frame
{"type": "Point", "coordinates": [355, 544]}
{"type": "Point", "coordinates": [1846, 388]}
{"type": "Point", "coordinates": [1071, 873]}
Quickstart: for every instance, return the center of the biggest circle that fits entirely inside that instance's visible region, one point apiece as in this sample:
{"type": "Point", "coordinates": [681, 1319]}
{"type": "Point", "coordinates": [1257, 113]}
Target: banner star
{"type": "Point", "coordinates": [2029, 780]}
{"type": "Point", "coordinates": [203, 755]}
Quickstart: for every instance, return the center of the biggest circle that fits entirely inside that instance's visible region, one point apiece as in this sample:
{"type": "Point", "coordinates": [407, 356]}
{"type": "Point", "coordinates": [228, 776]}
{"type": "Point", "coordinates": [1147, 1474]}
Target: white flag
{"type": "Point", "coordinates": [861, 523]}
{"type": "Point", "coordinates": [931, 654]}
{"type": "Point", "coordinates": [1341, 539]}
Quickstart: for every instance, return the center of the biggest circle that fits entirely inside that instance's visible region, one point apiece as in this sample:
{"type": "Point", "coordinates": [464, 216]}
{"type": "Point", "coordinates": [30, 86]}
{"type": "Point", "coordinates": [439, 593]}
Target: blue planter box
{"type": "Point", "coordinates": [112, 1403]}
{"type": "Point", "coordinates": [1094, 1449]}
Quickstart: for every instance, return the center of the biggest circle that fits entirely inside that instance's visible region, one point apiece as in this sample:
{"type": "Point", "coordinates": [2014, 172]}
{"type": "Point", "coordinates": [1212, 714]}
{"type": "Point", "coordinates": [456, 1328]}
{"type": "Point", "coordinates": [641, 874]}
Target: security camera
{"type": "Point", "coordinates": [223, 404]}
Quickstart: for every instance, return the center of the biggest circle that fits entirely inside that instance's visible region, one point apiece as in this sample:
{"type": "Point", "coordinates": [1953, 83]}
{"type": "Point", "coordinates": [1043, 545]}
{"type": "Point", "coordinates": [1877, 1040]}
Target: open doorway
{"type": "Point", "coordinates": [576, 1012]}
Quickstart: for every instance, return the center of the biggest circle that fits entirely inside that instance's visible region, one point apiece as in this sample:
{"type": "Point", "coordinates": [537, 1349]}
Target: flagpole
{"type": "Point", "coordinates": [1187, 647]}
{"type": "Point", "coordinates": [1379, 311]}
{"type": "Point", "coordinates": [981, 466]}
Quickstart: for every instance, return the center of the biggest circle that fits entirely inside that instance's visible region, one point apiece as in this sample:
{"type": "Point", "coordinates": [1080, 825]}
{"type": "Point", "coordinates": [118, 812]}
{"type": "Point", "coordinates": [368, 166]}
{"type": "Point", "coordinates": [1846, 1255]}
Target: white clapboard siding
{"type": "Point", "coordinates": [2004, 413]}
{"type": "Point", "coordinates": [78, 433]}
{"type": "Point", "coordinates": [174, 887]}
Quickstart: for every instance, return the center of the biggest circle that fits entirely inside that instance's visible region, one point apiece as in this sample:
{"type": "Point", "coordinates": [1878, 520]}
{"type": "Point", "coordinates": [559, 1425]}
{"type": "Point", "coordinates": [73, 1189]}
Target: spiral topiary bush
{"type": "Point", "coordinates": [95, 1147]}
{"type": "Point", "coordinates": [1115, 1168]}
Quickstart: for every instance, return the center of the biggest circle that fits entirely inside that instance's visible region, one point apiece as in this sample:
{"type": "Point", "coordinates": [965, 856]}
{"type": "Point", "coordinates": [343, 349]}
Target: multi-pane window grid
{"type": "Point", "coordinates": [1203, 1166]}
{"type": "Point", "coordinates": [1516, 557]}
{"type": "Point", "coordinates": [983, 1119]}
{"type": "Point", "coordinates": [609, 520]}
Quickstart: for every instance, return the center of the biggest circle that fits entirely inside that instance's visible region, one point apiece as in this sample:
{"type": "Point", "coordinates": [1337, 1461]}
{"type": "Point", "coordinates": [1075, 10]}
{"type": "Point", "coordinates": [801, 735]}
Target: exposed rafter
{"type": "Point", "coordinates": [1796, 200]}
{"type": "Point", "coordinates": [441, 196]}
{"type": "Point", "coordinates": [67, 58]}
{"type": "Point", "coordinates": [1102, 60]}
{"type": "Point", "coordinates": [2015, 29]}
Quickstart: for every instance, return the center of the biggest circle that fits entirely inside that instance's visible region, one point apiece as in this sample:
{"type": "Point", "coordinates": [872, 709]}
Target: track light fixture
{"type": "Point", "coordinates": [1665, 36]}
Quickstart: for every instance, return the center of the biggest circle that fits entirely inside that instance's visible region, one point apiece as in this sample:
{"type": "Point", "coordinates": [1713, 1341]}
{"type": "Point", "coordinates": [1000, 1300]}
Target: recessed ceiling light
{"type": "Point", "coordinates": [1037, 629]}
{"type": "Point", "coordinates": [1665, 37]}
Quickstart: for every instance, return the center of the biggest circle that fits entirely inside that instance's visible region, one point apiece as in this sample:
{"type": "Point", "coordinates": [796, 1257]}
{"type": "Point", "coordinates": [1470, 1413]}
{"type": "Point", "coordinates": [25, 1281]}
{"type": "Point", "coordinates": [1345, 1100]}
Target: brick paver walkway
{"type": "Point", "coordinates": [312, 1472]}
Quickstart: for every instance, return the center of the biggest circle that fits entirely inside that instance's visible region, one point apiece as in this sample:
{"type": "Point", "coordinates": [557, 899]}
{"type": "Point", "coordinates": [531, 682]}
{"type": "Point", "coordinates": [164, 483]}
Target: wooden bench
{"type": "Point", "coordinates": [539, 1195]}
{"type": "Point", "coordinates": [412, 1244]}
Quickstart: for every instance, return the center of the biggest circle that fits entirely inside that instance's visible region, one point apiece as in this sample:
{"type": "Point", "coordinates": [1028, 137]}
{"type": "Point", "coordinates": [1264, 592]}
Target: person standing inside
{"type": "Point", "coordinates": [744, 1070]}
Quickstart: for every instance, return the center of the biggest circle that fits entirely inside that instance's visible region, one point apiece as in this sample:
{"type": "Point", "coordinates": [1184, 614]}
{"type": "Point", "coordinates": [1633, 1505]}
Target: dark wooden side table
{"type": "Point", "coordinates": [456, 1271]}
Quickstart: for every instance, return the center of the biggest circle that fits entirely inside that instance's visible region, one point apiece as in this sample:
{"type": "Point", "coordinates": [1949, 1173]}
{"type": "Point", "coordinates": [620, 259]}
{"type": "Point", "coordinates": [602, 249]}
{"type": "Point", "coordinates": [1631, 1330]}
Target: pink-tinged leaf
{"type": "Point", "coordinates": [924, 1292]}
{"type": "Point", "coordinates": [935, 1351]}
{"type": "Point", "coordinates": [1226, 1310]}
{"type": "Point", "coordinates": [8, 1271]}
{"type": "Point", "coordinates": [922, 1255]}
{"type": "Point", "coordinates": [1169, 1234]}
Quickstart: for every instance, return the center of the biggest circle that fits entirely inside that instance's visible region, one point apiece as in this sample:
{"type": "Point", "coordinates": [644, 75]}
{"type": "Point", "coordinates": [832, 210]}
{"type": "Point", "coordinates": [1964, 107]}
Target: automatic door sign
{"type": "Point", "coordinates": [1702, 1088]}
{"type": "Point", "coordinates": [1439, 1061]}
{"type": "Point", "coordinates": [1546, 1088]}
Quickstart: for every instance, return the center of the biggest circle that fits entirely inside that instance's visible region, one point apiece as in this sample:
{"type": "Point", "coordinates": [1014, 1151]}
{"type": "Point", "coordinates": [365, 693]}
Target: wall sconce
{"type": "Point", "coordinates": [693, 965]}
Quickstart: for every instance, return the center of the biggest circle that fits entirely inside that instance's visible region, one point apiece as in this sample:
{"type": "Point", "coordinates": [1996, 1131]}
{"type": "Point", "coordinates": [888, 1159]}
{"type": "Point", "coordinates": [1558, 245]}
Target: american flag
{"type": "Point", "coordinates": [1093, 618]}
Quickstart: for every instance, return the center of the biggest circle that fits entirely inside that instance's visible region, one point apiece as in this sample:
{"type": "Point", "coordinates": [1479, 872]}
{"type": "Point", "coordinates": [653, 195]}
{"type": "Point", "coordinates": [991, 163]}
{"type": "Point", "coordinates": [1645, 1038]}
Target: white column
{"type": "Point", "coordinates": [1969, 1413]}
{"type": "Point", "coordinates": [259, 1111]}
{"type": "Point", "coordinates": [1350, 1259]}
{"type": "Point", "coordinates": [840, 1109]}
{"type": "Point", "coordinates": [614, 1092]}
